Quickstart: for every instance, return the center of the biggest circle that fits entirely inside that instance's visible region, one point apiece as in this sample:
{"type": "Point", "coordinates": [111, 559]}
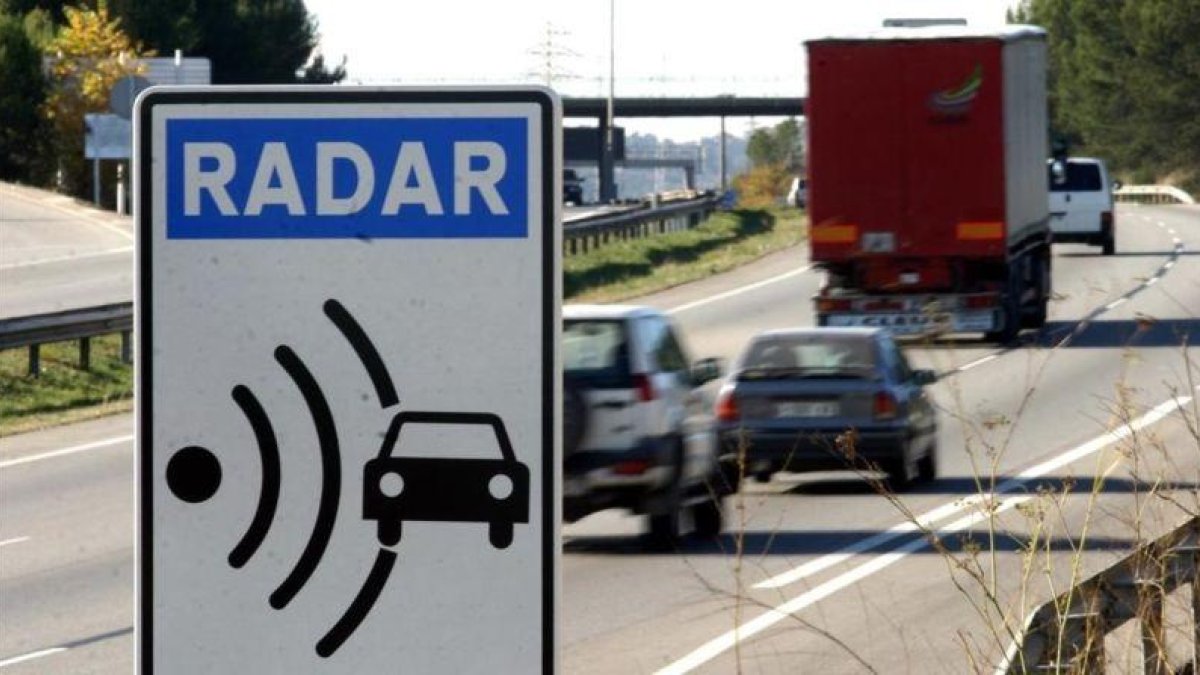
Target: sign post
{"type": "Point", "coordinates": [348, 413]}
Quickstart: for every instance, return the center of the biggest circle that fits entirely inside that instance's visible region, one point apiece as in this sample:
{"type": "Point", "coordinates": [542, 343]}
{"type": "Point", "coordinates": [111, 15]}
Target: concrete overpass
{"type": "Point", "coordinates": [713, 106]}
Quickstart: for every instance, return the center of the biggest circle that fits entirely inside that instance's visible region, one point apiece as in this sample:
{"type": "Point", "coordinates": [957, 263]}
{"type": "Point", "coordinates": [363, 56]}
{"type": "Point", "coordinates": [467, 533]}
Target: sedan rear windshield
{"type": "Point", "coordinates": [1080, 178]}
{"type": "Point", "coordinates": [809, 356]}
{"type": "Point", "coordinates": [596, 352]}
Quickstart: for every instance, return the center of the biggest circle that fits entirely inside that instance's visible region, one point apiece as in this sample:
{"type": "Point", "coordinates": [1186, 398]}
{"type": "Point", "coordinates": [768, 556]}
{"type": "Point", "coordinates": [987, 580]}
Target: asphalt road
{"type": "Point", "coordinates": [820, 571]}
{"type": "Point", "coordinates": [56, 253]}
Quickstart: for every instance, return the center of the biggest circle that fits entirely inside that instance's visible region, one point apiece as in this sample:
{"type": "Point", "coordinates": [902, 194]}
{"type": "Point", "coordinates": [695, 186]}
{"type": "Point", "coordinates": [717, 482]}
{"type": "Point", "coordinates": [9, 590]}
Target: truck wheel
{"type": "Point", "coordinates": [1012, 326]}
{"type": "Point", "coordinates": [1109, 246]}
{"type": "Point", "coordinates": [1036, 317]}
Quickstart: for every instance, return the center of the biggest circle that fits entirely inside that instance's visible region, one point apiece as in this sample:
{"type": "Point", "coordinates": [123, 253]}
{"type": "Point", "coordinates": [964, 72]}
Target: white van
{"type": "Point", "coordinates": [1081, 202]}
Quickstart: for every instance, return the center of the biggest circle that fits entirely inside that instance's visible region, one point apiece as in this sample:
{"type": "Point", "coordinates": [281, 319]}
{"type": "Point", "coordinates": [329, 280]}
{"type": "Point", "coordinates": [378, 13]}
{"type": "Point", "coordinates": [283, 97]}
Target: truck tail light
{"type": "Point", "coordinates": [726, 408]}
{"type": "Point", "coordinates": [1106, 220]}
{"type": "Point", "coordinates": [885, 407]}
{"type": "Point", "coordinates": [979, 301]}
{"type": "Point", "coordinates": [644, 387]}
{"type": "Point", "coordinates": [833, 305]}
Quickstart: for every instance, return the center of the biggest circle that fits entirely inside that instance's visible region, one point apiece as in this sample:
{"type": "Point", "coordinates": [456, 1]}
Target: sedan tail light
{"type": "Point", "coordinates": [885, 406]}
{"type": "Point", "coordinates": [726, 408]}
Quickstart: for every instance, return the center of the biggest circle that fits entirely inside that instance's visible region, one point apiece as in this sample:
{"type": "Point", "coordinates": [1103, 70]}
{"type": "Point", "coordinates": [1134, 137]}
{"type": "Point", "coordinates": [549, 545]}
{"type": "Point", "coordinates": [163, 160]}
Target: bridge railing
{"type": "Point", "coordinates": [669, 212]}
{"type": "Point", "coordinates": [81, 324]}
{"type": "Point", "coordinates": [1152, 194]}
{"type": "Point", "coordinates": [1067, 634]}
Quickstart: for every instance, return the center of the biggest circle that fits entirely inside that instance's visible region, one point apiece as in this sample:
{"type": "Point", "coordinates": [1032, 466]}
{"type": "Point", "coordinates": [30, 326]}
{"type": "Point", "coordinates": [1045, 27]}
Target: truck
{"type": "Point", "coordinates": [927, 185]}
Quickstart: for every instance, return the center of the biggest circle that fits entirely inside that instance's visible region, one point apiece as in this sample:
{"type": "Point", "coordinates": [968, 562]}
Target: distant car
{"type": "Point", "coordinates": [637, 432]}
{"type": "Point", "coordinates": [572, 187]}
{"type": "Point", "coordinates": [446, 489]}
{"type": "Point", "coordinates": [1081, 202]}
{"type": "Point", "coordinates": [798, 193]}
{"type": "Point", "coordinates": [813, 399]}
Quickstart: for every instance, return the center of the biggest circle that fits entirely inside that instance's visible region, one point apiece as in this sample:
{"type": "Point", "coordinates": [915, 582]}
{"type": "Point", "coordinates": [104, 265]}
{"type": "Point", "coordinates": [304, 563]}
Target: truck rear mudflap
{"type": "Point", "coordinates": [913, 315]}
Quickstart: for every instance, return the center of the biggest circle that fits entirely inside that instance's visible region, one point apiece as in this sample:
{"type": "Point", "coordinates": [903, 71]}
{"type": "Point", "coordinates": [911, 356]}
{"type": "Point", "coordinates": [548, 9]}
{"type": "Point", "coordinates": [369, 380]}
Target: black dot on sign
{"type": "Point", "coordinates": [193, 474]}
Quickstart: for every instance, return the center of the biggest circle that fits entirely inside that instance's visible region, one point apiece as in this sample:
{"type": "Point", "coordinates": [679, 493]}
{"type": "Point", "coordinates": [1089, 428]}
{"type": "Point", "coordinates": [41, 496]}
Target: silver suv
{"type": "Point", "coordinates": [637, 432]}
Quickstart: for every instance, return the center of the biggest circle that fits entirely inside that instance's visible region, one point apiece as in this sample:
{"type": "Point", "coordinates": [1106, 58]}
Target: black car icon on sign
{"type": "Point", "coordinates": [446, 489]}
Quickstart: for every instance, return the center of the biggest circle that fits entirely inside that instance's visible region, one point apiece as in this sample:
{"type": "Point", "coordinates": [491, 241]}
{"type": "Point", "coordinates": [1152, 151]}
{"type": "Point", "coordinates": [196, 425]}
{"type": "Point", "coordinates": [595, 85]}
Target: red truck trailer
{"type": "Point", "coordinates": [927, 179]}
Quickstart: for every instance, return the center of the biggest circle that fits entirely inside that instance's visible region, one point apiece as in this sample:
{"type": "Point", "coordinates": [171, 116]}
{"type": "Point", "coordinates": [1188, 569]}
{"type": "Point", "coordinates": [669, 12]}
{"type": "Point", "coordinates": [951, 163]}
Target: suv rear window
{"type": "Point", "coordinates": [1080, 178]}
{"type": "Point", "coordinates": [596, 353]}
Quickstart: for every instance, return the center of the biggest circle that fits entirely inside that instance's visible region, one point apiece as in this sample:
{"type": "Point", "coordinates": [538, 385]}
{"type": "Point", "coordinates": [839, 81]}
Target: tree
{"type": "Point", "coordinates": [780, 145]}
{"type": "Point", "coordinates": [23, 147]}
{"type": "Point", "coordinates": [248, 41]}
{"type": "Point", "coordinates": [87, 56]}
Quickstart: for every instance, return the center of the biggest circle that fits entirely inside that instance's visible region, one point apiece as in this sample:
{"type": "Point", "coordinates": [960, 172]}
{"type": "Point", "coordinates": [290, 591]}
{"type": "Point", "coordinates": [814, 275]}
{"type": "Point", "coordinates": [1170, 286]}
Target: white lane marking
{"type": "Point", "coordinates": [14, 540]}
{"type": "Point", "coordinates": [1161, 224]}
{"type": "Point", "coordinates": [1169, 264]}
{"type": "Point", "coordinates": [1170, 231]}
{"type": "Point", "coordinates": [728, 640]}
{"type": "Point", "coordinates": [738, 291]}
{"type": "Point", "coordinates": [979, 362]}
{"type": "Point", "coordinates": [67, 258]}
{"type": "Point", "coordinates": [1116, 303]}
{"type": "Point", "coordinates": [66, 451]}
{"type": "Point", "coordinates": [946, 510]}
{"type": "Point", "coordinates": [1151, 281]}
{"type": "Point", "coordinates": [31, 656]}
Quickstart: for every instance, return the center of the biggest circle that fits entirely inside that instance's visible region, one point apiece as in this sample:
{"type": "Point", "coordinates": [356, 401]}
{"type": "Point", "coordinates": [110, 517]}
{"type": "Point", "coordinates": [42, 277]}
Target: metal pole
{"type": "Point", "coordinates": [723, 184]}
{"type": "Point", "coordinates": [120, 189]}
{"type": "Point", "coordinates": [608, 189]}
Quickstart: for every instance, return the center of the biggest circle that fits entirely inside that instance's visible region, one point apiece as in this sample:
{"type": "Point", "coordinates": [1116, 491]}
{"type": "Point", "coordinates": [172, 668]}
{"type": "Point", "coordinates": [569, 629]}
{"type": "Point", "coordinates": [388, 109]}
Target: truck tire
{"type": "Point", "coordinates": [1012, 324]}
{"type": "Point", "coordinates": [1035, 317]}
{"type": "Point", "coordinates": [1109, 246]}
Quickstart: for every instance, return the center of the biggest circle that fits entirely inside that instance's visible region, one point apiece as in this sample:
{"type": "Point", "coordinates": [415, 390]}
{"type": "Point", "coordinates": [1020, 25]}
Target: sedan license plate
{"type": "Point", "coordinates": [807, 409]}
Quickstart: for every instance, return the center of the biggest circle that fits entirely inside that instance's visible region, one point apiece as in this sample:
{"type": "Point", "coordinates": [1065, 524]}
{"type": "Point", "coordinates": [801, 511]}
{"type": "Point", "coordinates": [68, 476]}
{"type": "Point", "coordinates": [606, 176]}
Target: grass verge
{"type": "Point", "coordinates": [726, 240]}
{"type": "Point", "coordinates": [63, 393]}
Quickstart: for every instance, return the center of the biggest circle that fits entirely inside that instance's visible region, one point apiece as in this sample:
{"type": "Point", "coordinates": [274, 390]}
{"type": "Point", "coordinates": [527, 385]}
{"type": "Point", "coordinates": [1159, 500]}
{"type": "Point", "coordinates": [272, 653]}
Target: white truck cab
{"type": "Point", "coordinates": [1081, 202]}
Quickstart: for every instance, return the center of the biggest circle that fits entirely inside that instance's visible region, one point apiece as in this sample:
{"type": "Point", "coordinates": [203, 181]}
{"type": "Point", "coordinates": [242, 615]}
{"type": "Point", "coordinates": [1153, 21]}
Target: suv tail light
{"type": "Point", "coordinates": [726, 408]}
{"type": "Point", "coordinates": [644, 387]}
{"type": "Point", "coordinates": [885, 406]}
{"type": "Point", "coordinates": [1106, 221]}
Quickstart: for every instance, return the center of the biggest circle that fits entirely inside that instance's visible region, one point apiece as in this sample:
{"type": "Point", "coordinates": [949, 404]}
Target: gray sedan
{"type": "Point", "coordinates": [815, 399]}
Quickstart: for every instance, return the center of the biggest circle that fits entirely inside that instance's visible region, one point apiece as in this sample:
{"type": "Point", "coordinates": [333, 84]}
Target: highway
{"type": "Point", "coordinates": [56, 253]}
{"type": "Point", "coordinates": [821, 573]}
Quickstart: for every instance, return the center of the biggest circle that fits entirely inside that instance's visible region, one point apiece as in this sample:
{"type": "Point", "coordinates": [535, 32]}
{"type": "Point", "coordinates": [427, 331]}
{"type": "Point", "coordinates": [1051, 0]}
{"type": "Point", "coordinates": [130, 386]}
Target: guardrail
{"type": "Point", "coordinates": [657, 216]}
{"type": "Point", "coordinates": [1066, 635]}
{"type": "Point", "coordinates": [1152, 194]}
{"type": "Point", "coordinates": [73, 324]}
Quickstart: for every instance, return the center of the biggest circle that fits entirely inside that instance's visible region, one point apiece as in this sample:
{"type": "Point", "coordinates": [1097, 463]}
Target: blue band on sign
{"type": "Point", "coordinates": [343, 177]}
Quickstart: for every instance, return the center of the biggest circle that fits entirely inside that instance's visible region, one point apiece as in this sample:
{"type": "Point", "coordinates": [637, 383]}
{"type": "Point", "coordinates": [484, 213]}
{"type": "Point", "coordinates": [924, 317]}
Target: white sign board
{"type": "Point", "coordinates": [347, 389]}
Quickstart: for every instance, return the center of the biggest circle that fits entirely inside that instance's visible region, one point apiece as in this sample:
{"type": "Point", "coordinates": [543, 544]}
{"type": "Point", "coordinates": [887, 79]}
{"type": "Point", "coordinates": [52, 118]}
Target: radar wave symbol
{"type": "Point", "coordinates": [194, 475]}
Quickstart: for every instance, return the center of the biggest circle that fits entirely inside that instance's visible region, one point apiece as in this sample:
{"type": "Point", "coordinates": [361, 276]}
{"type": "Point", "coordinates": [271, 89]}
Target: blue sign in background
{"type": "Point", "coordinates": [381, 138]}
